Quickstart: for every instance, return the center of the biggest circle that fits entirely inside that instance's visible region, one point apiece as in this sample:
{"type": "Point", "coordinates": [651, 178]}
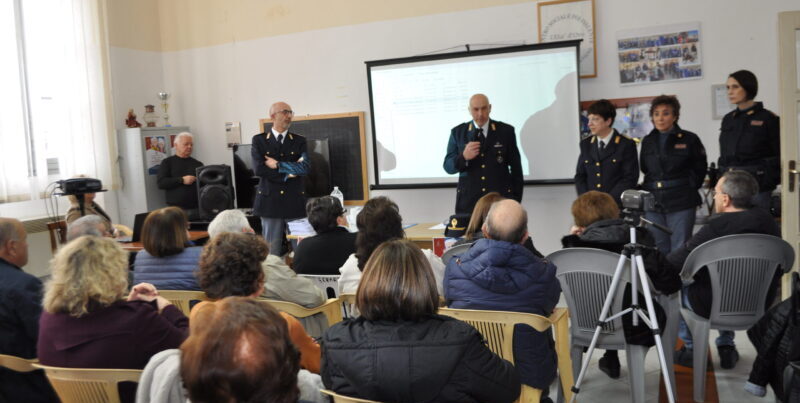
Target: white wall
{"type": "Point", "coordinates": [323, 71]}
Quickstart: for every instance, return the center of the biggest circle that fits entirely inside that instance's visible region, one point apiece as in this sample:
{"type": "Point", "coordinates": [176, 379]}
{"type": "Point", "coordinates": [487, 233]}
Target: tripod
{"type": "Point", "coordinates": [632, 250]}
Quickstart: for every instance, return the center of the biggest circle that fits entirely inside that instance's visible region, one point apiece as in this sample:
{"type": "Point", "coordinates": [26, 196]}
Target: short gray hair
{"type": "Point", "coordinates": [86, 225]}
{"type": "Point", "coordinates": [228, 221]}
{"type": "Point", "coordinates": [507, 221]}
{"type": "Point", "coordinates": [182, 134]}
{"type": "Point", "coordinates": [8, 230]}
{"type": "Point", "coordinates": [741, 187]}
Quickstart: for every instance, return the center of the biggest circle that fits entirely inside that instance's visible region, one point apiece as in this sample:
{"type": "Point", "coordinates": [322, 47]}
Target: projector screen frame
{"type": "Point", "coordinates": [454, 55]}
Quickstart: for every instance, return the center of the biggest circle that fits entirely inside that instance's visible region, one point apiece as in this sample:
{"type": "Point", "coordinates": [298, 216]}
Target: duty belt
{"type": "Point", "coordinates": [755, 170]}
{"type": "Point", "coordinates": [660, 185]}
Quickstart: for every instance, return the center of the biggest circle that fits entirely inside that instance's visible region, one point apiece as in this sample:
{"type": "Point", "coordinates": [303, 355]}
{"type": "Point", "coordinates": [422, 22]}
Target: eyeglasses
{"type": "Point", "coordinates": [287, 112]}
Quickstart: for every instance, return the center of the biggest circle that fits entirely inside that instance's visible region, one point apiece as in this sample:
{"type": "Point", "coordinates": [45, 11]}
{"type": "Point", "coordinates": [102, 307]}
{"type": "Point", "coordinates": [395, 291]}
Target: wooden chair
{"type": "Point", "coordinates": [18, 364]}
{"type": "Point", "coordinates": [498, 329]}
{"type": "Point", "coordinates": [81, 385]}
{"type": "Point", "coordinates": [58, 234]}
{"type": "Point", "coordinates": [182, 299]}
{"type": "Point", "coordinates": [337, 398]}
{"type": "Point", "coordinates": [332, 309]}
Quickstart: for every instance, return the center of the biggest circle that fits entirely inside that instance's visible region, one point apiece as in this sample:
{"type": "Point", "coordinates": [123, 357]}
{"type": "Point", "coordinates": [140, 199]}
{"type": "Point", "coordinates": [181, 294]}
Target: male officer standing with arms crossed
{"type": "Point", "coordinates": [484, 153]}
{"type": "Point", "coordinates": [280, 159]}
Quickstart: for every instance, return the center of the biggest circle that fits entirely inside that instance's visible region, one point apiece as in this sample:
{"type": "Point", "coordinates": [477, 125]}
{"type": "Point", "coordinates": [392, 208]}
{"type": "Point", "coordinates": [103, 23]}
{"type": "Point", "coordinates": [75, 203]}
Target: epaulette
{"type": "Point", "coordinates": [593, 139]}
{"type": "Point", "coordinates": [494, 128]}
{"type": "Point", "coordinates": [269, 133]}
{"type": "Point", "coordinates": [470, 126]}
{"type": "Point", "coordinates": [616, 140]}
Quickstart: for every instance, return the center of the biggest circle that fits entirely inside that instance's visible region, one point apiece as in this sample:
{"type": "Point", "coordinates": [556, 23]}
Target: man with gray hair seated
{"type": "Point", "coordinates": [733, 200]}
{"type": "Point", "coordinates": [176, 175]}
{"type": "Point", "coordinates": [88, 225]}
{"type": "Point", "coordinates": [280, 281]}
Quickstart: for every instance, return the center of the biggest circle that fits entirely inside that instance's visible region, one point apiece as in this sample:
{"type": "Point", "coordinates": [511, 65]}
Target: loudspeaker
{"type": "Point", "coordinates": [214, 190]}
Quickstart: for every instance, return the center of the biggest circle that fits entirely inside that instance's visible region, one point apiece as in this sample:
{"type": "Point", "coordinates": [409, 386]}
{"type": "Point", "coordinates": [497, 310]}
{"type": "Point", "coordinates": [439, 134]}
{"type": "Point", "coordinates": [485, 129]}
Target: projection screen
{"type": "Point", "coordinates": [416, 101]}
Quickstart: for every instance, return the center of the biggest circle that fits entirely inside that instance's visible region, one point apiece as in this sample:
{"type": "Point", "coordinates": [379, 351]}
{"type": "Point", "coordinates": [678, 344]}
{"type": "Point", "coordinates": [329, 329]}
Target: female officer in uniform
{"type": "Point", "coordinates": [749, 138]}
{"type": "Point", "coordinates": [673, 161]}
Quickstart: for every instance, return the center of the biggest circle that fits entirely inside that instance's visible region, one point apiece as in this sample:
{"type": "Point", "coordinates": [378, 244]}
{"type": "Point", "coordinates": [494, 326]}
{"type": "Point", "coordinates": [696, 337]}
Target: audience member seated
{"type": "Point", "coordinates": [87, 225]}
{"type": "Point", "coordinates": [498, 273]}
{"type": "Point", "coordinates": [167, 261]}
{"type": "Point", "coordinates": [246, 356]}
{"type": "Point", "coordinates": [400, 350]}
{"type": "Point", "coordinates": [473, 232]}
{"type": "Point", "coordinates": [20, 308]}
{"type": "Point", "coordinates": [597, 225]}
{"type": "Point", "coordinates": [326, 252]}
{"type": "Point", "coordinates": [733, 199]}
{"type": "Point", "coordinates": [89, 323]}
{"type": "Point", "coordinates": [89, 208]}
{"type": "Point", "coordinates": [378, 221]}
{"type": "Point", "coordinates": [231, 266]}
{"type": "Point", "coordinates": [280, 281]}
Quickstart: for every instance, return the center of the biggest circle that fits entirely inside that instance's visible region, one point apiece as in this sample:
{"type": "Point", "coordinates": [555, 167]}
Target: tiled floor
{"type": "Point", "coordinates": [597, 387]}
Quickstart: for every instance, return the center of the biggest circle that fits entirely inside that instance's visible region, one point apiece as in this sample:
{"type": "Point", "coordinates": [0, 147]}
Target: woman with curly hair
{"type": "Point", "coordinates": [91, 321]}
{"type": "Point", "coordinates": [168, 260]}
{"type": "Point", "coordinates": [230, 265]}
{"type": "Point", "coordinates": [378, 222]}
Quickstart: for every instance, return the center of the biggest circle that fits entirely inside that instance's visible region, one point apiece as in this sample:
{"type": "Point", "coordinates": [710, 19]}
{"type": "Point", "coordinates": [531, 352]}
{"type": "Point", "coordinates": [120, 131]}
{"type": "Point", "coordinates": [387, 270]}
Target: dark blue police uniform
{"type": "Point", "coordinates": [497, 168]}
{"type": "Point", "coordinates": [280, 195]}
{"type": "Point", "coordinates": [750, 140]}
{"type": "Point", "coordinates": [673, 172]}
{"type": "Point", "coordinates": [613, 170]}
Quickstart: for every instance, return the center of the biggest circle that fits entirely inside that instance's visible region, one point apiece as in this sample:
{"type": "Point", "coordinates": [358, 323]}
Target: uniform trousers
{"type": "Point", "coordinates": [680, 222]}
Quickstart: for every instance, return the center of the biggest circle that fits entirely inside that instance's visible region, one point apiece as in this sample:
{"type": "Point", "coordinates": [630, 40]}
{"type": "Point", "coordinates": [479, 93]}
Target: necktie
{"type": "Point", "coordinates": [280, 138]}
{"type": "Point", "coordinates": [479, 136]}
{"type": "Point", "coordinates": [602, 146]}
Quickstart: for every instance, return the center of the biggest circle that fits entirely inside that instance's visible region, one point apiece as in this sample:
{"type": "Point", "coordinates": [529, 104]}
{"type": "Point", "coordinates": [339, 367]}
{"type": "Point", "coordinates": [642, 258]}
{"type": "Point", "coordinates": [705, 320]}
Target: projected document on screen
{"type": "Point", "coordinates": [415, 104]}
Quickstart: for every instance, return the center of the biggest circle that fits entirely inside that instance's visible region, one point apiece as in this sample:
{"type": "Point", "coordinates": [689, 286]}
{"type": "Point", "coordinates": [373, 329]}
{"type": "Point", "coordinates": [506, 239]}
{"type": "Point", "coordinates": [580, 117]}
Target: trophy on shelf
{"type": "Point", "coordinates": [163, 96]}
{"type": "Point", "coordinates": [150, 117]}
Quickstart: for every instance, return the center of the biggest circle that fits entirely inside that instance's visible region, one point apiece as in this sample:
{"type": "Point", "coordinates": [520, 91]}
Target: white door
{"type": "Point", "coordinates": [789, 42]}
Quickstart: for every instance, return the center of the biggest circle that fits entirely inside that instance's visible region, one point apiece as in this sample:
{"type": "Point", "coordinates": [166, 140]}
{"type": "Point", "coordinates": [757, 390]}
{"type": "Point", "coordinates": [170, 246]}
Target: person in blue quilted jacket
{"type": "Point", "coordinates": [168, 260]}
{"type": "Point", "coordinates": [499, 273]}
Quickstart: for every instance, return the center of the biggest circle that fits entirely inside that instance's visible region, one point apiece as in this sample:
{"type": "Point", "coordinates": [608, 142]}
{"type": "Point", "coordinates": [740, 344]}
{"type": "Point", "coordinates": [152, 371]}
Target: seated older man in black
{"type": "Point", "coordinates": [733, 199]}
{"type": "Point", "coordinates": [20, 308]}
{"type": "Point", "coordinates": [326, 252]}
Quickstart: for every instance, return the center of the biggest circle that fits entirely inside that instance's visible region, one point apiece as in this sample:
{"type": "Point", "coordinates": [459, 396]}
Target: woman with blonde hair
{"type": "Point", "coordinates": [90, 320]}
{"type": "Point", "coordinates": [442, 359]}
{"type": "Point", "coordinates": [168, 260]}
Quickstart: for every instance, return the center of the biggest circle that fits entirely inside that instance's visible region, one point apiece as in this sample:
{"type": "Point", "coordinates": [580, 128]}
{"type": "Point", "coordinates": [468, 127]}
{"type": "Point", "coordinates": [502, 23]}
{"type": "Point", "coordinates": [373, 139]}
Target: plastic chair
{"type": "Point", "coordinates": [455, 250]}
{"type": "Point", "coordinates": [81, 385]}
{"type": "Point", "coordinates": [585, 276]}
{"type": "Point", "coordinates": [349, 305]}
{"type": "Point", "coordinates": [332, 309]}
{"type": "Point", "coordinates": [337, 398]}
{"type": "Point", "coordinates": [327, 283]}
{"type": "Point", "coordinates": [182, 299]}
{"type": "Point", "coordinates": [741, 268]}
{"type": "Point", "coordinates": [497, 327]}
{"type": "Point", "coordinates": [18, 364]}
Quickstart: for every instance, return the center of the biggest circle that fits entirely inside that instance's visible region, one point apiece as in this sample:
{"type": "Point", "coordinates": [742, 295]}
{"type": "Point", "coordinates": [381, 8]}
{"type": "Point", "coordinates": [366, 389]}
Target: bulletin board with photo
{"type": "Point", "coordinates": [657, 54]}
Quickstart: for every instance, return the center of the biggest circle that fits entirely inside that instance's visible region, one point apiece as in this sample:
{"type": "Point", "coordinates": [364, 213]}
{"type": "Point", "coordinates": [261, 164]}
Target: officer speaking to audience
{"type": "Point", "coordinates": [484, 153]}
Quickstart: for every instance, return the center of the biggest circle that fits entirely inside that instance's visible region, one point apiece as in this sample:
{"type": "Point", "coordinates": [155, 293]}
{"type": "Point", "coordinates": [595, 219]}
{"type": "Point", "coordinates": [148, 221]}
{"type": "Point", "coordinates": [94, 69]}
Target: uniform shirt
{"type": "Point", "coordinates": [749, 139]}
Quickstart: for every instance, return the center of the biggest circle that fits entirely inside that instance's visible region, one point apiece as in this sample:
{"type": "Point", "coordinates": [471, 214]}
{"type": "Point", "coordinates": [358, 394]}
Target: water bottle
{"type": "Point", "coordinates": [338, 194]}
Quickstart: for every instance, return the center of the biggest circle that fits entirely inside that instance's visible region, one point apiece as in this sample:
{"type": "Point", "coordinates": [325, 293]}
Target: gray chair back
{"type": "Point", "coordinates": [741, 268]}
{"type": "Point", "coordinates": [585, 276]}
{"type": "Point", "coordinates": [454, 251]}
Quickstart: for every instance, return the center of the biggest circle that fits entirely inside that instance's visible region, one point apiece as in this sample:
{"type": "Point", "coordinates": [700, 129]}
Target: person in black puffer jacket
{"type": "Point", "coordinates": [776, 337]}
{"type": "Point", "coordinates": [597, 225]}
{"type": "Point", "coordinates": [400, 350]}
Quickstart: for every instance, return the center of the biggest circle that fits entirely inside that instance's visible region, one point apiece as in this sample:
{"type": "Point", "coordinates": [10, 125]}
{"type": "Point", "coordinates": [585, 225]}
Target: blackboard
{"type": "Point", "coordinates": [348, 154]}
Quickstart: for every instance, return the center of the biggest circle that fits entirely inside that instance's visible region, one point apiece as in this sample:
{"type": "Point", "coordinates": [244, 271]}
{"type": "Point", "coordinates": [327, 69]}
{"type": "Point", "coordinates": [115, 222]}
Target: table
{"type": "Point", "coordinates": [137, 246]}
{"type": "Point", "coordinates": [420, 234]}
